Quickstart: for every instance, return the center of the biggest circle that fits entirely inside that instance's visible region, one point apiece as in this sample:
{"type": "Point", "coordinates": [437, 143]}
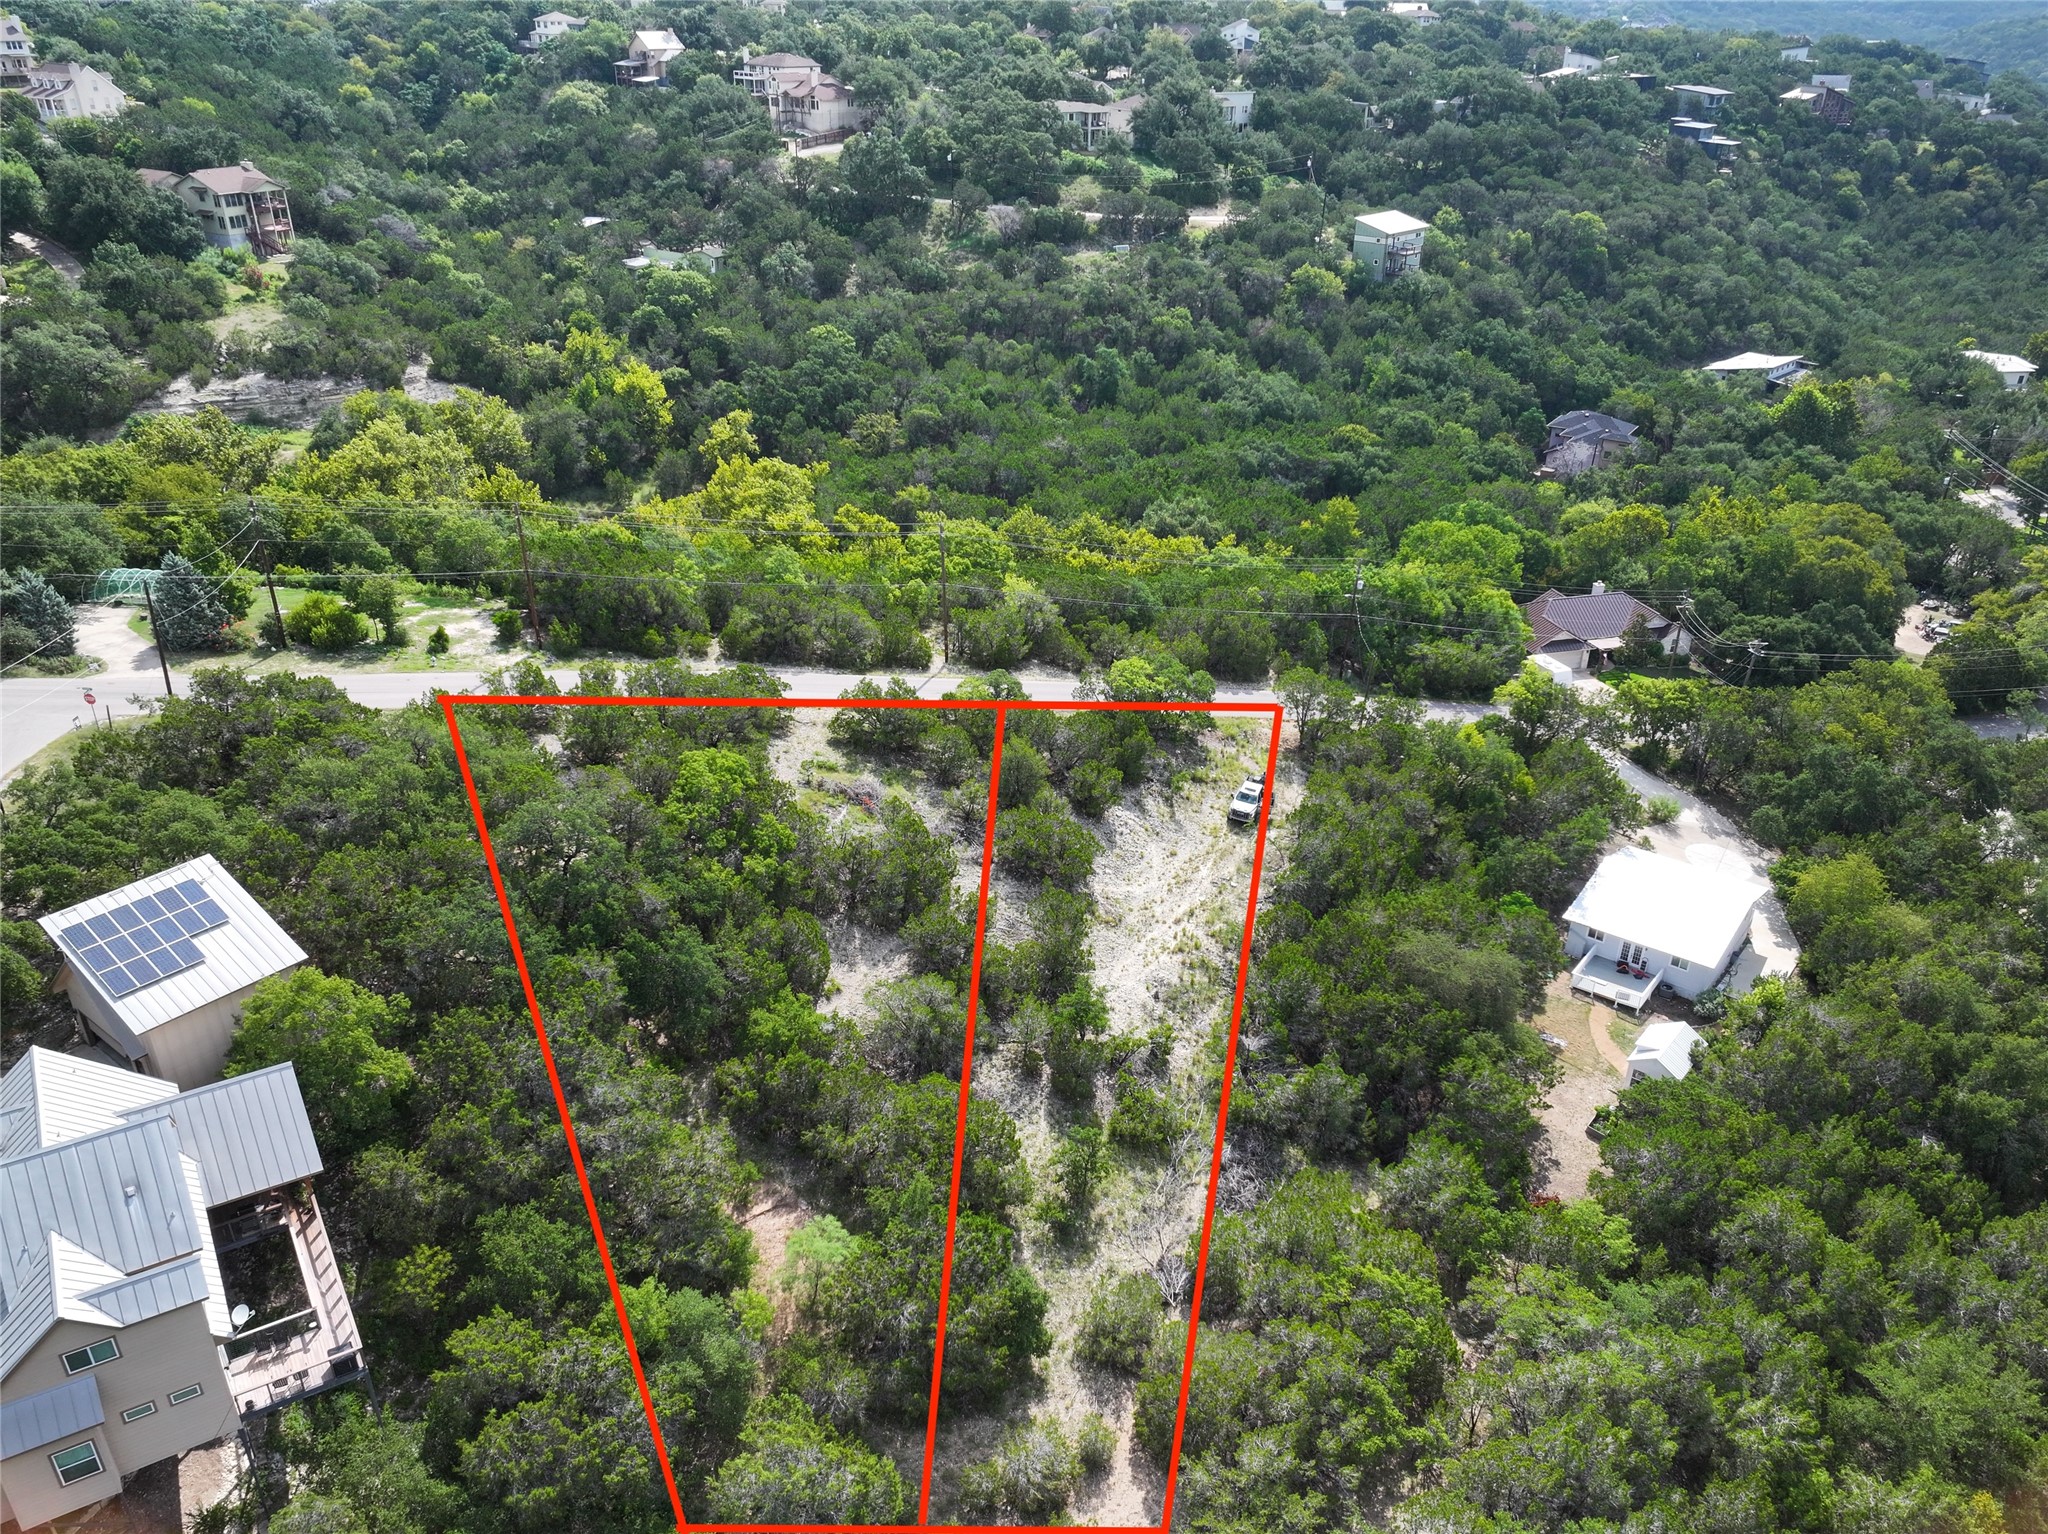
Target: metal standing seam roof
{"type": "Point", "coordinates": [49, 1098]}
{"type": "Point", "coordinates": [1682, 909]}
{"type": "Point", "coordinates": [29, 1422]}
{"type": "Point", "coordinates": [1669, 1043]}
{"type": "Point", "coordinates": [83, 1215]}
{"type": "Point", "coordinates": [2003, 362]}
{"type": "Point", "coordinates": [251, 947]}
{"type": "Point", "coordinates": [247, 1133]}
{"type": "Point", "coordinates": [1392, 221]}
{"type": "Point", "coordinates": [1750, 362]}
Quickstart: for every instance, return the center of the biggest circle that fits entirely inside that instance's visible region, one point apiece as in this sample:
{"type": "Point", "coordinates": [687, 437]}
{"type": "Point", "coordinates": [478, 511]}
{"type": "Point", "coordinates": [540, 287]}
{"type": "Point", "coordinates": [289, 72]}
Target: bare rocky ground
{"type": "Point", "coordinates": [1170, 886]}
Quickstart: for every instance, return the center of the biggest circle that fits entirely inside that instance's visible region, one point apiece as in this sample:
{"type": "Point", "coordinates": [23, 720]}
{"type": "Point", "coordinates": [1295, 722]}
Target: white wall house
{"type": "Point", "coordinates": [1663, 1052]}
{"type": "Point", "coordinates": [647, 58]}
{"type": "Point", "coordinates": [2013, 372]}
{"type": "Point", "coordinates": [1242, 36]}
{"type": "Point", "coordinates": [1784, 369]}
{"type": "Point", "coordinates": [1098, 120]}
{"type": "Point", "coordinates": [17, 52]}
{"type": "Point", "coordinates": [129, 1331]}
{"type": "Point", "coordinates": [68, 90]}
{"type": "Point", "coordinates": [1237, 107]}
{"type": "Point", "coordinates": [159, 970]}
{"type": "Point", "coordinates": [1644, 920]}
{"type": "Point", "coordinates": [1388, 243]}
{"type": "Point", "coordinates": [550, 25]}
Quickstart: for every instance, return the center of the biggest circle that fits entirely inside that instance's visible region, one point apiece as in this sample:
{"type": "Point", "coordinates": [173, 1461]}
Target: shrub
{"type": "Point", "coordinates": [1144, 1117]}
{"type": "Point", "coordinates": [1661, 809]}
{"type": "Point", "coordinates": [326, 623]}
{"type": "Point", "coordinates": [1119, 1322]}
{"type": "Point", "coordinates": [438, 642]}
{"type": "Point", "coordinates": [509, 624]}
{"type": "Point", "coordinates": [1032, 1474]}
{"type": "Point", "coordinates": [1033, 844]}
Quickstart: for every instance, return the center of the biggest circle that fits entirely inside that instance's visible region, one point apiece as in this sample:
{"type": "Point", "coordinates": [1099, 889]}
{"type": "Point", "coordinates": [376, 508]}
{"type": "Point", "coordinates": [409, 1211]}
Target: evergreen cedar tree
{"type": "Point", "coordinates": [1810, 1291]}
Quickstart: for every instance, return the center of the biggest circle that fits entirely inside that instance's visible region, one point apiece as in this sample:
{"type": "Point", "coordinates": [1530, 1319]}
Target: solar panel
{"type": "Point", "coordinates": [148, 939]}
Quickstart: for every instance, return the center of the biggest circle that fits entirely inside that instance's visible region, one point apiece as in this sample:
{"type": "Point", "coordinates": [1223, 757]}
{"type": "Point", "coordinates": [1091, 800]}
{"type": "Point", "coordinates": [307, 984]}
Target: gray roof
{"type": "Point", "coordinates": [1591, 425]}
{"type": "Point", "coordinates": [32, 1421]}
{"type": "Point", "coordinates": [249, 948]}
{"type": "Point", "coordinates": [104, 1189]}
{"type": "Point", "coordinates": [1595, 616]}
{"type": "Point", "coordinates": [247, 1133]}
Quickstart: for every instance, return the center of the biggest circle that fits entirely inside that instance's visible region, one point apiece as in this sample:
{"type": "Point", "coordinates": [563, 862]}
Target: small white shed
{"type": "Point", "coordinates": [1663, 1052]}
{"type": "Point", "coordinates": [159, 969]}
{"type": "Point", "coordinates": [1644, 920]}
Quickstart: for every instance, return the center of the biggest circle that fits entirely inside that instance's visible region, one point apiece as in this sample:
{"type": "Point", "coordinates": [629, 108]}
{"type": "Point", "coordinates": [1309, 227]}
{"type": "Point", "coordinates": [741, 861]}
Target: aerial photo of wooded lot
{"type": "Point", "coordinates": [1613, 438]}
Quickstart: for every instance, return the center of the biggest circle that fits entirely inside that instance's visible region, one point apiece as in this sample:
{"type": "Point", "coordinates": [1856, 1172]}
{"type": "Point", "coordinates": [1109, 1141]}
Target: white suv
{"type": "Point", "coordinates": [1244, 804]}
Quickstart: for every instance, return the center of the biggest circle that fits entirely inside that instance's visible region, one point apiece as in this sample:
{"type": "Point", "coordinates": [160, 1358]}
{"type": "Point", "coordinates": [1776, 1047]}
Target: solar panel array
{"type": "Point", "coordinates": [148, 939]}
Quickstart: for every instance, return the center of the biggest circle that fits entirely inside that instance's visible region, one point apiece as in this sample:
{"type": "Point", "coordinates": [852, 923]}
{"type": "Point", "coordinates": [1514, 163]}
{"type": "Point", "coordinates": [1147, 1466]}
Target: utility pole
{"type": "Point", "coordinates": [945, 604]}
{"type": "Point", "coordinates": [526, 564]}
{"type": "Point", "coordinates": [1755, 648]}
{"type": "Point", "coordinates": [156, 632]}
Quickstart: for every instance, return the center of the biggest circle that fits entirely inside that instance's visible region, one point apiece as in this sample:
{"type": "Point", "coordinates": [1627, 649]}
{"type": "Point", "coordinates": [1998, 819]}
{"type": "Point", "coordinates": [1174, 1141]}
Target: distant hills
{"type": "Point", "coordinates": [2006, 34]}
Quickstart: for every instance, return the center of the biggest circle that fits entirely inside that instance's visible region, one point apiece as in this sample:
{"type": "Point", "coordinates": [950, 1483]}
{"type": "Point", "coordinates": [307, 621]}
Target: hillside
{"type": "Point", "coordinates": [558, 371]}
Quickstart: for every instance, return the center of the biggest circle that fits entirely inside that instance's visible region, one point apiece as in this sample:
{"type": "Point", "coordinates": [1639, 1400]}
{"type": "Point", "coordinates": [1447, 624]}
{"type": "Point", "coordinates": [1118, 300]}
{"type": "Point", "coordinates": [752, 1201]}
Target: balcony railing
{"type": "Point", "coordinates": [1596, 975]}
{"type": "Point", "coordinates": [310, 1351]}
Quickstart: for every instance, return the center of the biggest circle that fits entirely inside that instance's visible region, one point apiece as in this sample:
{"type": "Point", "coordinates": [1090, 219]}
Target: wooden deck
{"type": "Point", "coordinates": [317, 1349]}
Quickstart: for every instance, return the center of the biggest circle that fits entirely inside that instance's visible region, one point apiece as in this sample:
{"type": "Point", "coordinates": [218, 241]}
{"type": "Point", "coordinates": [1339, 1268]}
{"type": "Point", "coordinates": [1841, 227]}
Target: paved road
{"type": "Point", "coordinates": [65, 264]}
{"type": "Point", "coordinates": [34, 711]}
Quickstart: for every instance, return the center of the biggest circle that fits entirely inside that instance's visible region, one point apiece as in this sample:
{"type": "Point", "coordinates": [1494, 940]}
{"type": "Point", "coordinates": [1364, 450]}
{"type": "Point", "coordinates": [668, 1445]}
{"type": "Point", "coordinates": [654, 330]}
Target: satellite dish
{"type": "Point", "coordinates": [239, 1316]}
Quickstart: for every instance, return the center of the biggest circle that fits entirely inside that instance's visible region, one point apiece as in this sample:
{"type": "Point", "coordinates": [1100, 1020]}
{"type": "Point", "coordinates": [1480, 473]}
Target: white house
{"type": "Point", "coordinates": [1798, 52]}
{"type": "Point", "coordinates": [1389, 242]}
{"type": "Point", "coordinates": [1242, 36]}
{"type": "Point", "coordinates": [1237, 107]}
{"type": "Point", "coordinates": [1776, 368]}
{"type": "Point", "coordinates": [68, 90]}
{"type": "Point", "coordinates": [2013, 372]}
{"type": "Point", "coordinates": [1833, 82]}
{"type": "Point", "coordinates": [133, 1324]}
{"type": "Point", "coordinates": [159, 969]}
{"type": "Point", "coordinates": [1663, 1052]}
{"type": "Point", "coordinates": [17, 52]}
{"type": "Point", "coordinates": [1417, 11]}
{"type": "Point", "coordinates": [1643, 920]}
{"type": "Point", "coordinates": [799, 95]}
{"type": "Point", "coordinates": [550, 25]}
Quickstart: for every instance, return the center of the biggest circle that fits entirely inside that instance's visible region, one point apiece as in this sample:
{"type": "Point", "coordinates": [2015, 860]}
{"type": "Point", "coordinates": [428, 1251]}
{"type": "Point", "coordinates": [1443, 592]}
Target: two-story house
{"type": "Point", "coordinates": [1098, 120]}
{"type": "Point", "coordinates": [648, 57]}
{"type": "Point", "coordinates": [550, 25]}
{"type": "Point", "coordinates": [158, 970]}
{"type": "Point", "coordinates": [238, 206]}
{"type": "Point", "coordinates": [1237, 107]}
{"type": "Point", "coordinates": [1388, 243]}
{"type": "Point", "coordinates": [164, 1273]}
{"type": "Point", "coordinates": [1241, 35]}
{"type": "Point", "coordinates": [1644, 920]}
{"type": "Point", "coordinates": [1580, 440]}
{"type": "Point", "coordinates": [803, 100]}
{"type": "Point", "coordinates": [1701, 101]}
{"type": "Point", "coordinates": [67, 90]}
{"type": "Point", "coordinates": [17, 53]}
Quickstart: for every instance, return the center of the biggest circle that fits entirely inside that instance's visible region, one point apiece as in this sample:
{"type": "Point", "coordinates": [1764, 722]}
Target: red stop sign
{"type": "Point", "coordinates": [89, 698]}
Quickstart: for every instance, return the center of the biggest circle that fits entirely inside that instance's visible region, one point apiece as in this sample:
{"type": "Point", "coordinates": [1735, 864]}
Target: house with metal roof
{"type": "Point", "coordinates": [1782, 369]}
{"type": "Point", "coordinates": [158, 970]}
{"type": "Point", "coordinates": [2013, 372]}
{"type": "Point", "coordinates": [1644, 920]}
{"type": "Point", "coordinates": [1663, 1052]}
{"type": "Point", "coordinates": [1583, 631]}
{"type": "Point", "coordinates": [164, 1273]}
{"type": "Point", "coordinates": [1388, 243]}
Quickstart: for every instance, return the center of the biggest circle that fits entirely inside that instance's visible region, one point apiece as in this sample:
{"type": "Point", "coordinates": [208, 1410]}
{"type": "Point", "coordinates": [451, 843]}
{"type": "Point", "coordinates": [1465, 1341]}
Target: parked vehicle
{"type": "Point", "coordinates": [1244, 804]}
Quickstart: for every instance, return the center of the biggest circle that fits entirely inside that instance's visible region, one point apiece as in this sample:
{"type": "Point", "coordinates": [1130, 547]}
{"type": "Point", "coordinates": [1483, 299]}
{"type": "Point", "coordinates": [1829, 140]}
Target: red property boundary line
{"type": "Point", "coordinates": [1001, 709]}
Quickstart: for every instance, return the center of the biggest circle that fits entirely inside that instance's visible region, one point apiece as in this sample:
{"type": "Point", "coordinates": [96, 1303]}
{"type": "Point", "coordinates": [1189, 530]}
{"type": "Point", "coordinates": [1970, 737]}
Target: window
{"type": "Point", "coordinates": [189, 1393]}
{"type": "Point", "coordinates": [81, 1359]}
{"type": "Point", "coordinates": [1678, 963]}
{"type": "Point", "coordinates": [76, 1462]}
{"type": "Point", "coordinates": [1595, 934]}
{"type": "Point", "coordinates": [137, 1413]}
